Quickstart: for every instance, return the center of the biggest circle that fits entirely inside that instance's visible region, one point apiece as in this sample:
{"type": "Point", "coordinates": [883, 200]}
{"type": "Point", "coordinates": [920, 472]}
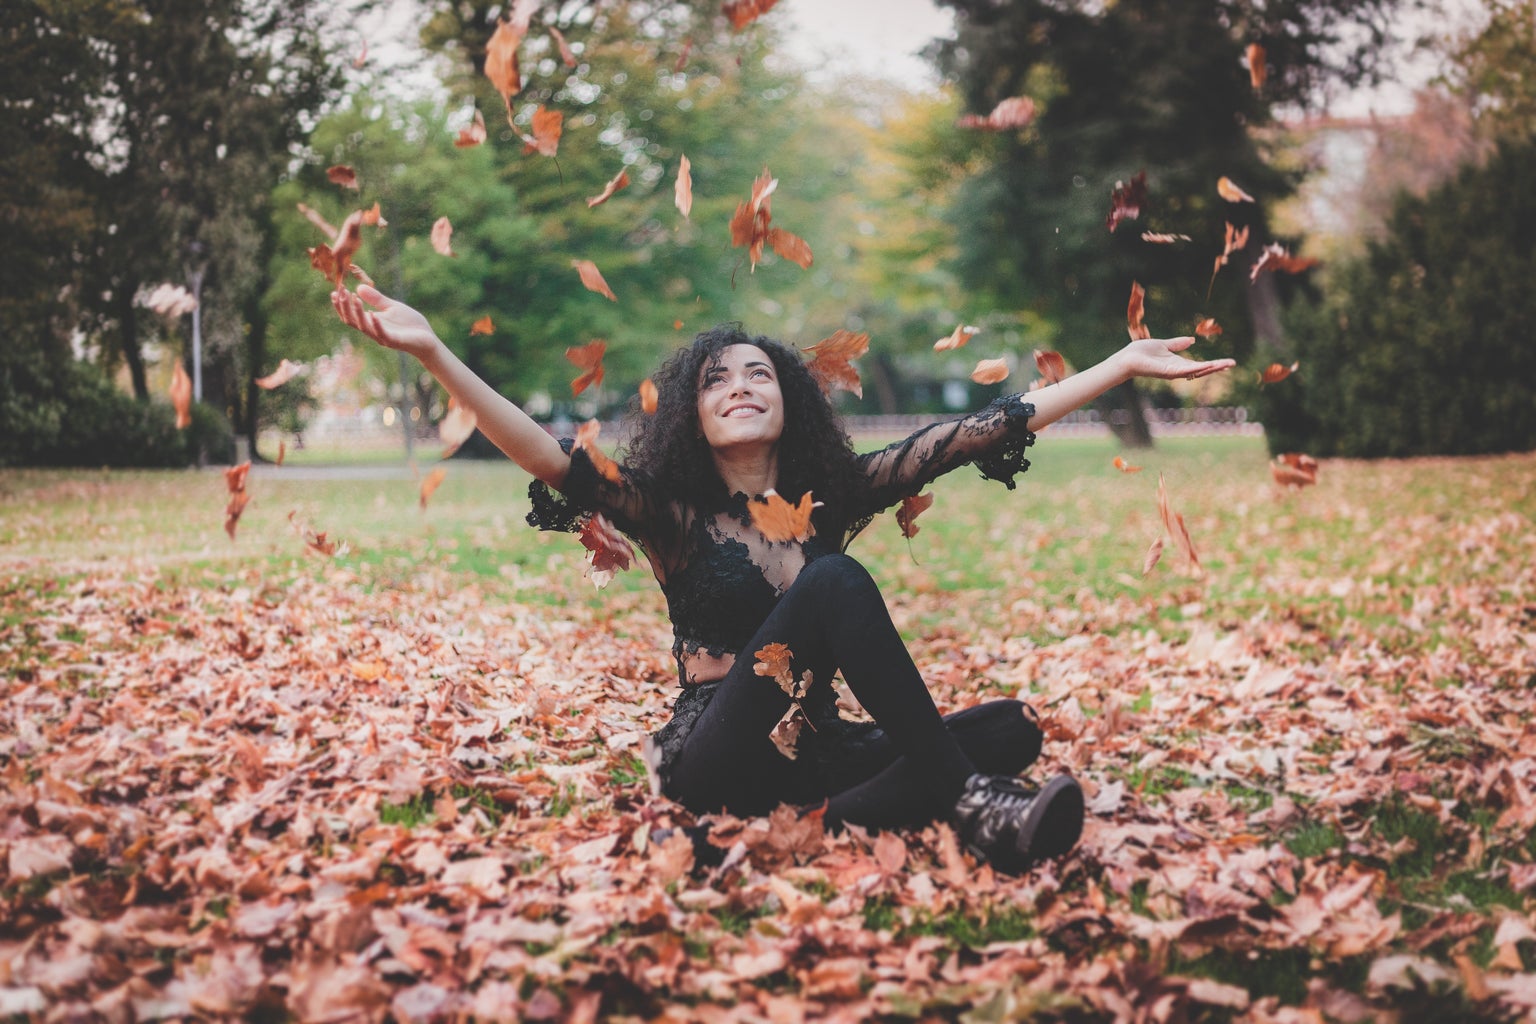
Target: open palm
{"type": "Point", "coordinates": [1159, 357]}
{"type": "Point", "coordinates": [390, 323]}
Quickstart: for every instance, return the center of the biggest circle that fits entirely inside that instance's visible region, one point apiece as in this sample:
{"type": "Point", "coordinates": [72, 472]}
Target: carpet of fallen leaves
{"type": "Point", "coordinates": [324, 799]}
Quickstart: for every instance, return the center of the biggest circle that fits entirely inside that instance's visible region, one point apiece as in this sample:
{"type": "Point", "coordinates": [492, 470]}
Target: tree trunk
{"type": "Point", "coordinates": [881, 377]}
{"type": "Point", "coordinates": [128, 339]}
{"type": "Point", "coordinates": [1264, 311]}
{"type": "Point", "coordinates": [1122, 409]}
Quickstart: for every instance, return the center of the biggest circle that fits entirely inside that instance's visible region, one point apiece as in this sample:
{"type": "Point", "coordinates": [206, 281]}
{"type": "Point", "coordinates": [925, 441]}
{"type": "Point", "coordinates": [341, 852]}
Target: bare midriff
{"type": "Point", "coordinates": [704, 667]}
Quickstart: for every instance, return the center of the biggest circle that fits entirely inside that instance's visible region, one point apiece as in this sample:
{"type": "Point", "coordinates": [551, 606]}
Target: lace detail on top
{"type": "Point", "coordinates": [720, 575]}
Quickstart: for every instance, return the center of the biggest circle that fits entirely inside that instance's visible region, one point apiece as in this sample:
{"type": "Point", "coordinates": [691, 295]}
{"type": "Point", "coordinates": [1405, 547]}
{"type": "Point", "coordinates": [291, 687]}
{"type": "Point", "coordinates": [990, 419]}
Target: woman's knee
{"type": "Point", "coordinates": [837, 574]}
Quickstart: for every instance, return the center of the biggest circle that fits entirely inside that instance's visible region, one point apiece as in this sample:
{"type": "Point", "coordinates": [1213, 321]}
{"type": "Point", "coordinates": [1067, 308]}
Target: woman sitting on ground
{"type": "Point", "coordinates": [739, 417]}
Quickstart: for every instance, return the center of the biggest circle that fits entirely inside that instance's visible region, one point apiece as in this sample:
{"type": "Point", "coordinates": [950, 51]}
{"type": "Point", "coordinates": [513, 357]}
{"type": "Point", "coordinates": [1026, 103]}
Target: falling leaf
{"type": "Point", "coordinates": [957, 339]}
{"type": "Point", "coordinates": [1014, 112]}
{"type": "Point", "coordinates": [456, 426]}
{"type": "Point", "coordinates": [473, 135]}
{"type": "Point", "coordinates": [547, 126]}
{"type": "Point", "coordinates": [566, 56]}
{"type": "Point", "coordinates": [1126, 200]}
{"type": "Point", "coordinates": [990, 371]}
{"type": "Point", "coordinates": [750, 226]}
{"type": "Point", "coordinates": [586, 440]}
{"type": "Point", "coordinates": [318, 221]}
{"type": "Point", "coordinates": [341, 174]}
{"type": "Point", "coordinates": [1293, 469]}
{"type": "Point", "coordinates": [1159, 238]}
{"type": "Point", "coordinates": [1235, 240]}
{"type": "Point", "coordinates": [682, 58]}
{"type": "Point", "coordinates": [1125, 467]}
{"type": "Point", "coordinates": [1133, 314]}
{"type": "Point", "coordinates": [619, 181]}
{"type": "Point", "coordinates": [234, 482]}
{"type": "Point", "coordinates": [1174, 523]}
{"type": "Point", "coordinates": [282, 451]}
{"type": "Point", "coordinates": [1257, 71]}
{"type": "Point", "coordinates": [1051, 366]}
{"type": "Point", "coordinates": [779, 521]}
{"type": "Point", "coordinates": [181, 395]}
{"type": "Point", "coordinates": [374, 217]}
{"type": "Point", "coordinates": [785, 733]}
{"type": "Point", "coordinates": [588, 359]}
{"type": "Point", "coordinates": [682, 189]}
{"type": "Point", "coordinates": [362, 57]}
{"type": "Point", "coordinates": [1154, 552]}
{"type": "Point", "coordinates": [1274, 373]}
{"type": "Point", "coordinates": [608, 551]}
{"type": "Point", "coordinates": [773, 662]}
{"type": "Point", "coordinates": [593, 278]}
{"type": "Point", "coordinates": [320, 543]}
{"type": "Point", "coordinates": [431, 482]}
{"type": "Point", "coordinates": [743, 12]}
{"type": "Point", "coordinates": [482, 326]}
{"type": "Point", "coordinates": [286, 371]}
{"type": "Point", "coordinates": [1275, 257]}
{"type": "Point", "coordinates": [830, 361]}
{"type": "Point", "coordinates": [1207, 328]}
{"type": "Point", "coordinates": [911, 508]}
{"type": "Point", "coordinates": [1229, 191]}
{"type": "Point", "coordinates": [648, 397]}
{"type": "Point", "coordinates": [501, 62]}
{"type": "Point", "coordinates": [442, 236]}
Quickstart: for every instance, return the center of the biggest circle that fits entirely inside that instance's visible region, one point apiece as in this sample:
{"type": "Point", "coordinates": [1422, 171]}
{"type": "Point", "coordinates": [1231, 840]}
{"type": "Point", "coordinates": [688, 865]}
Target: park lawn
{"type": "Point", "coordinates": [1308, 760]}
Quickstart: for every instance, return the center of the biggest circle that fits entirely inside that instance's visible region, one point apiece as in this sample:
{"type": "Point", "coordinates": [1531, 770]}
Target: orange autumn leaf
{"type": "Point", "coordinates": [990, 371]}
{"type": "Point", "coordinates": [790, 247]}
{"type": "Point", "coordinates": [682, 189]}
{"type": "Point", "coordinates": [1236, 238]}
{"type": "Point", "coordinates": [744, 12]}
{"type": "Point", "coordinates": [1228, 190]}
{"type": "Point", "coordinates": [1257, 71]}
{"type": "Point", "coordinates": [547, 127]}
{"type": "Point", "coordinates": [431, 482]}
{"type": "Point", "coordinates": [1207, 328]}
{"type": "Point", "coordinates": [648, 397]}
{"type": "Point", "coordinates": [361, 58]}
{"type": "Point", "coordinates": [1174, 523]}
{"type": "Point", "coordinates": [473, 135]}
{"type": "Point", "coordinates": [750, 226]}
{"type": "Point", "coordinates": [957, 339]}
{"type": "Point", "coordinates": [282, 452]}
{"type": "Point", "coordinates": [608, 550]}
{"type": "Point", "coordinates": [442, 236]}
{"type": "Point", "coordinates": [1125, 467]}
{"type": "Point", "coordinates": [181, 395]}
{"type": "Point", "coordinates": [325, 226]}
{"type": "Point", "coordinates": [455, 427]}
{"type": "Point", "coordinates": [1293, 469]}
{"type": "Point", "coordinates": [286, 371]}
{"type": "Point", "coordinates": [341, 174]}
{"type": "Point", "coordinates": [1126, 200]}
{"type": "Point", "coordinates": [566, 56]}
{"type": "Point", "coordinates": [593, 278]}
{"type": "Point", "coordinates": [374, 217]}
{"type": "Point", "coordinates": [1154, 553]}
{"type": "Point", "coordinates": [234, 482]}
{"type": "Point", "coordinates": [1275, 257]}
{"type": "Point", "coordinates": [586, 440]}
{"type": "Point", "coordinates": [911, 508]}
{"type": "Point", "coordinates": [831, 361]}
{"type": "Point", "coordinates": [588, 359]}
{"type": "Point", "coordinates": [619, 181]}
{"type": "Point", "coordinates": [1051, 366]}
{"type": "Point", "coordinates": [483, 326]}
{"type": "Point", "coordinates": [779, 521]}
{"type": "Point", "coordinates": [773, 662]}
{"type": "Point", "coordinates": [501, 61]}
{"type": "Point", "coordinates": [335, 260]}
{"type": "Point", "coordinates": [1274, 373]}
{"type": "Point", "coordinates": [1013, 112]}
{"type": "Point", "coordinates": [1134, 313]}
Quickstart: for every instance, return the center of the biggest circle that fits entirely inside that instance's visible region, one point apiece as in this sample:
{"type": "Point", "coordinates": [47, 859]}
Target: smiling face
{"type": "Point", "coordinates": [739, 399]}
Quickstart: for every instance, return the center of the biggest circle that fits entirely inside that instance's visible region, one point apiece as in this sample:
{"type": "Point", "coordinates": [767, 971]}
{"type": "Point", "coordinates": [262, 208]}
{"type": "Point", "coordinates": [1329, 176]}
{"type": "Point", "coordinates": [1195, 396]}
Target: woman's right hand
{"type": "Point", "coordinates": [391, 324]}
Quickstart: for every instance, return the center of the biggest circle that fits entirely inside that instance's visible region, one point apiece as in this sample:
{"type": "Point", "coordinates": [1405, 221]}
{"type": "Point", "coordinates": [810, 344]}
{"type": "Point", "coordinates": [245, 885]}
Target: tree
{"type": "Point", "coordinates": [1153, 86]}
{"type": "Point", "coordinates": [1422, 346]}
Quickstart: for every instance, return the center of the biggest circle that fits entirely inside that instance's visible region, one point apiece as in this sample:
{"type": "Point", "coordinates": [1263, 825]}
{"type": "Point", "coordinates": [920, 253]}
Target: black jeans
{"type": "Point", "coordinates": [907, 771]}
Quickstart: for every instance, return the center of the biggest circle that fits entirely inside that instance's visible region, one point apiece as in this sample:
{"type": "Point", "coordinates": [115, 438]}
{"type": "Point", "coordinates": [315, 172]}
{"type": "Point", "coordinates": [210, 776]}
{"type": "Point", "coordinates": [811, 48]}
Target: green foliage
{"type": "Point", "coordinates": [1421, 347]}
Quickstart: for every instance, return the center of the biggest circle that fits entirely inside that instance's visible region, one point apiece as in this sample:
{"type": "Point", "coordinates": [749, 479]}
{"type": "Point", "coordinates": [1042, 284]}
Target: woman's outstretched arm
{"type": "Point", "coordinates": [395, 325]}
{"type": "Point", "coordinates": [1149, 357]}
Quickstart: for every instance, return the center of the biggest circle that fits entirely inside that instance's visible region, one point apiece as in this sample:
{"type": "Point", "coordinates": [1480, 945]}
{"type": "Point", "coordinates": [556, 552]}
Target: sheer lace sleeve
{"type": "Point", "coordinates": [629, 504]}
{"type": "Point", "coordinates": [993, 439]}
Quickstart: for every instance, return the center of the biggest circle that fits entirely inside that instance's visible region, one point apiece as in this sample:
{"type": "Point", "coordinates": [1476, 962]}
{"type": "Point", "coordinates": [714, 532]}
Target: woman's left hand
{"type": "Point", "coordinates": [1158, 357]}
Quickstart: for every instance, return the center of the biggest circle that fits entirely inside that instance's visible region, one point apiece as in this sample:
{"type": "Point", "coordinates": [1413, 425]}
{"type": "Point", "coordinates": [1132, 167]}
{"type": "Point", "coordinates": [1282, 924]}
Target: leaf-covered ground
{"type": "Point", "coordinates": [246, 781]}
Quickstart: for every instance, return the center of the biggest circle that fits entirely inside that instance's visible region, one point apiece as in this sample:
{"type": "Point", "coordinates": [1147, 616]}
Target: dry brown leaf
{"type": "Point", "coordinates": [588, 359]}
{"type": "Point", "coordinates": [1294, 469]}
{"type": "Point", "coordinates": [1274, 373]}
{"type": "Point", "coordinates": [781, 522]}
{"type": "Point", "coordinates": [593, 278]}
{"type": "Point", "coordinates": [286, 371]}
{"type": "Point", "coordinates": [1228, 190]}
{"type": "Point", "coordinates": [1134, 314]}
{"type": "Point", "coordinates": [990, 371]}
{"type": "Point", "coordinates": [608, 550]}
{"type": "Point", "coordinates": [786, 732]}
{"type": "Point", "coordinates": [1174, 523]}
{"type": "Point", "coordinates": [1125, 467]}
{"type": "Point", "coordinates": [1207, 328]}
{"type": "Point", "coordinates": [750, 226]}
{"type": "Point", "coordinates": [473, 135]}
{"type": "Point", "coordinates": [566, 56]}
{"type": "Point", "coordinates": [1275, 257]}
{"type": "Point", "coordinates": [455, 427]}
{"type": "Point", "coordinates": [234, 482]}
{"type": "Point", "coordinates": [341, 174]}
{"type": "Point", "coordinates": [773, 662]}
{"type": "Point", "coordinates": [1126, 200]}
{"type": "Point", "coordinates": [911, 508]}
{"type": "Point", "coordinates": [483, 326]}
{"type": "Point", "coordinates": [501, 62]}
{"type": "Point", "coordinates": [830, 361]}
{"type": "Point", "coordinates": [648, 397]}
{"type": "Point", "coordinates": [442, 236]}
{"type": "Point", "coordinates": [1014, 112]}
{"type": "Point", "coordinates": [547, 126]}
{"type": "Point", "coordinates": [586, 440]}
{"type": "Point", "coordinates": [318, 221]}
{"type": "Point", "coordinates": [682, 189]}
{"type": "Point", "coordinates": [181, 395]}
{"type": "Point", "coordinates": [957, 339]}
{"type": "Point", "coordinates": [1162, 238]}
{"type": "Point", "coordinates": [619, 181]}
{"type": "Point", "coordinates": [744, 12]}
{"type": "Point", "coordinates": [1257, 71]}
{"type": "Point", "coordinates": [431, 482]}
{"type": "Point", "coordinates": [1051, 366]}
{"type": "Point", "coordinates": [282, 452]}
{"type": "Point", "coordinates": [1154, 553]}
{"type": "Point", "coordinates": [1235, 239]}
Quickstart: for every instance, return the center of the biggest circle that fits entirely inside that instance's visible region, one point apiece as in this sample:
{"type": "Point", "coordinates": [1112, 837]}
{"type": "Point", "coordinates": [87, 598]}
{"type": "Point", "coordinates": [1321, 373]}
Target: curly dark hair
{"type": "Point", "coordinates": [815, 452]}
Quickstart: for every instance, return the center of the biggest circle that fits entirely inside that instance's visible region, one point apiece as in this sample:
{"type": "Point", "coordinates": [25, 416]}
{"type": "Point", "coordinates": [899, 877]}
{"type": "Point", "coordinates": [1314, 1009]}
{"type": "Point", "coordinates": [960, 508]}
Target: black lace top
{"type": "Point", "coordinates": [720, 575]}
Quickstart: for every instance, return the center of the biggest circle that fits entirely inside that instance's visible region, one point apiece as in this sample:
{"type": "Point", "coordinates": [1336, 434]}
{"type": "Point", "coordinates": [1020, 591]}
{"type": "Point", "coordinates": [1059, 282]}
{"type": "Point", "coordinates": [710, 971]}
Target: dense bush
{"type": "Point", "coordinates": [1423, 346]}
{"type": "Point", "coordinates": [65, 413]}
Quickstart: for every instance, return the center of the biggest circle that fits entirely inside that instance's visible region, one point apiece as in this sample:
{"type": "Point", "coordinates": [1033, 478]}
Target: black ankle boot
{"type": "Point", "coordinates": [1013, 826]}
